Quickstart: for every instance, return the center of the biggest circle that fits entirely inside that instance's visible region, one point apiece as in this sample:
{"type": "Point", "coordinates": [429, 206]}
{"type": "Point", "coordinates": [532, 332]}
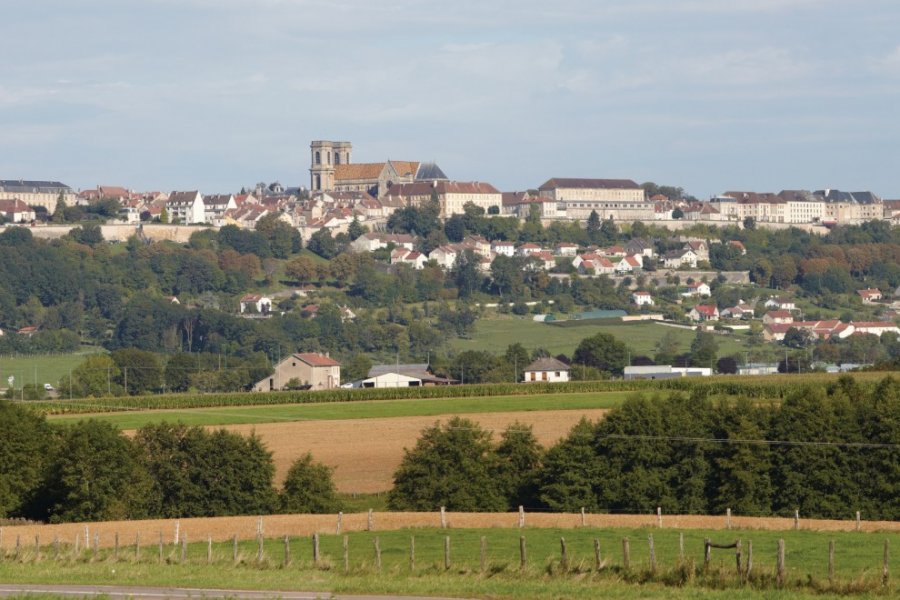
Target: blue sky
{"type": "Point", "coordinates": [711, 95]}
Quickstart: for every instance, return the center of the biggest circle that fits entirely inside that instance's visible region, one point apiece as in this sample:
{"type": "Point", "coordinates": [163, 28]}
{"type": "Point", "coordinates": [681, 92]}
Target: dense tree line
{"type": "Point", "coordinates": [826, 453]}
{"type": "Point", "coordinates": [90, 471]}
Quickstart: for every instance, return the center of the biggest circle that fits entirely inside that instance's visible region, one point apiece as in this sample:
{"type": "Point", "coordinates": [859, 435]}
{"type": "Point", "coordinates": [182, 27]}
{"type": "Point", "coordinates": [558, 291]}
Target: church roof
{"type": "Point", "coordinates": [429, 171]}
{"type": "Point", "coordinates": [358, 171]}
{"type": "Point", "coordinates": [405, 168]}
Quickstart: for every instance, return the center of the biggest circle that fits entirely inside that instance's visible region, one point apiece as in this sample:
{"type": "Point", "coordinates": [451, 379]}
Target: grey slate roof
{"type": "Point", "coordinates": [30, 187]}
{"type": "Point", "coordinates": [548, 364]}
{"type": "Point", "coordinates": [429, 171]}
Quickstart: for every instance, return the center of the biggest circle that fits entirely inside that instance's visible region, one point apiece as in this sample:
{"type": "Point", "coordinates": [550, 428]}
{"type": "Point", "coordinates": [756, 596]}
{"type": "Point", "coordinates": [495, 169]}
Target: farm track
{"type": "Point", "coordinates": [365, 452]}
{"type": "Point", "coordinates": [221, 529]}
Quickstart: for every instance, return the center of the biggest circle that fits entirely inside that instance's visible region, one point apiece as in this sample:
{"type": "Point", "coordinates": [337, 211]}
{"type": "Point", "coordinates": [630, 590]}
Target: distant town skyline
{"type": "Point", "coordinates": [215, 95]}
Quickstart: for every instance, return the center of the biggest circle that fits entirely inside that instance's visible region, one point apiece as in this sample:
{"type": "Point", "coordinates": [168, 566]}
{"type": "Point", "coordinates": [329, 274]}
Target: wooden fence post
{"type": "Point", "coordinates": [749, 557]}
{"type": "Point", "coordinates": [56, 547]}
{"type": "Point", "coordinates": [779, 564]}
{"type": "Point", "coordinates": [315, 545]}
{"type": "Point", "coordinates": [184, 543]}
{"type": "Point", "coordinates": [340, 523]}
{"type": "Point", "coordinates": [626, 553]}
{"type": "Point", "coordinates": [680, 547]}
{"type": "Point", "coordinates": [446, 553]}
{"type": "Point", "coordinates": [521, 516]}
{"type": "Point", "coordinates": [707, 554]}
{"type": "Point", "coordinates": [597, 562]}
{"type": "Point", "coordinates": [831, 561]}
{"type": "Point", "coordinates": [659, 517]}
{"type": "Point", "coordinates": [583, 523]}
{"type": "Point", "coordinates": [727, 518]}
{"type": "Point", "coordinates": [412, 553]}
{"type": "Point", "coordinates": [37, 547]}
{"type": "Point", "coordinates": [345, 545]}
{"type": "Point", "coordinates": [483, 557]}
{"type": "Point", "coordinates": [209, 549]}
{"type": "Point", "coordinates": [377, 554]}
{"type": "Point", "coordinates": [857, 521]}
{"type": "Point", "coordinates": [885, 572]}
{"type": "Point", "coordinates": [370, 524]}
{"type": "Point", "coordinates": [287, 550]}
{"type": "Point", "coordinates": [563, 555]}
{"type": "Point", "coordinates": [738, 560]}
{"type": "Point", "coordinates": [234, 549]}
{"type": "Point", "coordinates": [652, 553]}
{"type": "Point", "coordinates": [18, 547]}
{"type": "Point", "coordinates": [177, 530]}
{"type": "Point", "coordinates": [523, 554]}
{"type": "Point", "coordinates": [796, 520]}
{"type": "Point", "coordinates": [443, 517]}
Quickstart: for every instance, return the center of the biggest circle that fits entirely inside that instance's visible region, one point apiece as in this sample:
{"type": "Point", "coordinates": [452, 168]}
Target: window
{"type": "Point", "coordinates": [329, 157]}
{"type": "Point", "coordinates": [318, 158]}
{"type": "Point", "coordinates": [337, 158]}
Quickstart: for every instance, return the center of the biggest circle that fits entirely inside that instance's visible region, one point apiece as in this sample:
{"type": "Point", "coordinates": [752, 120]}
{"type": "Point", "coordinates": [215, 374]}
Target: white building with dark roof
{"type": "Point", "coordinates": [37, 193]}
{"type": "Point", "coordinates": [547, 370]}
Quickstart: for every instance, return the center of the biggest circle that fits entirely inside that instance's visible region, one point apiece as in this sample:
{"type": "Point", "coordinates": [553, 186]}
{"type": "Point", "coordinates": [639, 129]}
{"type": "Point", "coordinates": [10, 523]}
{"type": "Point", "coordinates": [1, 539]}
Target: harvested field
{"type": "Point", "coordinates": [221, 529]}
{"type": "Point", "coordinates": [365, 452]}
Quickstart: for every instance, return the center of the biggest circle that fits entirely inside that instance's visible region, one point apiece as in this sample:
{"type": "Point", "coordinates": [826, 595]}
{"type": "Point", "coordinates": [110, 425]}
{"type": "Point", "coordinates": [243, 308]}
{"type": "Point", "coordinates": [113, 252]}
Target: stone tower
{"type": "Point", "coordinates": [324, 156]}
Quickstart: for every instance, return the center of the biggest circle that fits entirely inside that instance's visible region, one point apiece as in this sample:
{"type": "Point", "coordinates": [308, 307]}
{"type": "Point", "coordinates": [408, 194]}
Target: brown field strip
{"type": "Point", "coordinates": [365, 452]}
{"type": "Point", "coordinates": [275, 526]}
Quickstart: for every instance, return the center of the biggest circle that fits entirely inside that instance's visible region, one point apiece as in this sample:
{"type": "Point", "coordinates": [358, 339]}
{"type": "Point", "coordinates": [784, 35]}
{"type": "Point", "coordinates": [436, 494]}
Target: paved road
{"type": "Point", "coordinates": [155, 593]}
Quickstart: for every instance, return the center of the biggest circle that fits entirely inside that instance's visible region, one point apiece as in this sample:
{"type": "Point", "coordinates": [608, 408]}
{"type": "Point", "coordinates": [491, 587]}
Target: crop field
{"type": "Point", "coordinates": [282, 558]}
{"type": "Point", "coordinates": [356, 410]}
{"type": "Point", "coordinates": [494, 335]}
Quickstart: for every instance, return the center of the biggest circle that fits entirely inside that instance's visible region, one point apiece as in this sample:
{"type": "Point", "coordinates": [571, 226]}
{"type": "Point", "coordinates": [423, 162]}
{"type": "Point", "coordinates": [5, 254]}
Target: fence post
{"type": "Point", "coordinates": [345, 545]}
{"type": "Point", "coordinates": [796, 520]}
{"type": "Point", "coordinates": [659, 516]}
{"type": "Point", "coordinates": [315, 545]}
{"type": "Point", "coordinates": [209, 549]}
{"type": "Point", "coordinates": [582, 517]}
{"type": "Point", "coordinates": [412, 553]}
{"type": "Point", "coordinates": [727, 518]}
{"type": "Point", "coordinates": [523, 553]}
{"type": "Point", "coordinates": [626, 553]}
{"type": "Point", "coordinates": [443, 518]}
{"type": "Point", "coordinates": [116, 549]}
{"type": "Point", "coordinates": [184, 542]}
{"type": "Point", "coordinates": [370, 524]}
{"type": "Point", "coordinates": [563, 555]}
{"type": "Point", "coordinates": [779, 564]}
{"type": "Point", "coordinates": [287, 550]}
{"type": "Point", "coordinates": [340, 523]}
{"type": "Point", "coordinates": [177, 530]}
{"type": "Point", "coordinates": [749, 557]}
{"type": "Point", "coordinates": [446, 553]}
{"type": "Point", "coordinates": [707, 554]}
{"type": "Point", "coordinates": [377, 554]}
{"type": "Point", "coordinates": [234, 549]}
{"type": "Point", "coordinates": [680, 547]}
{"type": "Point", "coordinates": [259, 548]}
{"type": "Point", "coordinates": [96, 544]}
{"type": "Point", "coordinates": [885, 572]}
{"type": "Point", "coordinates": [831, 561]}
{"type": "Point", "coordinates": [483, 554]}
{"type": "Point", "coordinates": [737, 560]}
{"type": "Point", "coordinates": [597, 561]}
{"type": "Point", "coordinates": [521, 516]}
{"type": "Point", "coordinates": [857, 521]}
{"type": "Point", "coordinates": [652, 553]}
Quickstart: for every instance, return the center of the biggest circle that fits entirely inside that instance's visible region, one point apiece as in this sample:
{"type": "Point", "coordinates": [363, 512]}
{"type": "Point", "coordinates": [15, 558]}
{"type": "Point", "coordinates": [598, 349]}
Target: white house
{"type": "Point", "coordinates": [704, 312]}
{"type": "Point", "coordinates": [697, 289]}
{"type": "Point", "coordinates": [869, 295]}
{"type": "Point", "coordinates": [665, 372]}
{"type": "Point", "coordinates": [503, 248]}
{"type": "Point", "coordinates": [547, 369]}
{"type": "Point", "coordinates": [413, 258]}
{"type": "Point", "coordinates": [629, 264]}
{"type": "Point", "coordinates": [214, 206]}
{"type": "Point", "coordinates": [642, 298]}
{"type": "Point", "coordinates": [186, 207]}
{"type": "Point", "coordinates": [16, 211]}
{"type": "Point", "coordinates": [445, 256]}
{"type": "Point", "coordinates": [566, 249]}
{"type": "Point", "coordinates": [680, 258]}
{"type": "Point", "coordinates": [261, 304]}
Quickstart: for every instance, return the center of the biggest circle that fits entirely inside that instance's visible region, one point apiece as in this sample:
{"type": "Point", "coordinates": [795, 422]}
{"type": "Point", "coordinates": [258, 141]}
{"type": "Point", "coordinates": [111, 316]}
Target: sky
{"type": "Point", "coordinates": [215, 95]}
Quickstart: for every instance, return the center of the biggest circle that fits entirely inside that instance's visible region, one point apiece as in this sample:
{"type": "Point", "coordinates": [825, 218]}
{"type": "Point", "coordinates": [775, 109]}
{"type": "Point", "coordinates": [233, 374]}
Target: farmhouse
{"type": "Point", "coordinates": [401, 375]}
{"type": "Point", "coordinates": [547, 369]}
{"type": "Point", "coordinates": [256, 303]}
{"type": "Point", "coordinates": [313, 370]}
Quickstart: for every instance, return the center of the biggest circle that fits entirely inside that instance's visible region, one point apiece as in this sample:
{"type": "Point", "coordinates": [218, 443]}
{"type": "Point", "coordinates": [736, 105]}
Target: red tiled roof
{"type": "Point", "coordinates": [317, 360]}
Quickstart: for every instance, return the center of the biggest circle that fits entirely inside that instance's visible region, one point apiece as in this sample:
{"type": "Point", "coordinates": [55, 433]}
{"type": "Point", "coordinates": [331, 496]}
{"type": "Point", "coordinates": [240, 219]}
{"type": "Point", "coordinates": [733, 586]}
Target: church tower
{"type": "Point", "coordinates": [324, 156]}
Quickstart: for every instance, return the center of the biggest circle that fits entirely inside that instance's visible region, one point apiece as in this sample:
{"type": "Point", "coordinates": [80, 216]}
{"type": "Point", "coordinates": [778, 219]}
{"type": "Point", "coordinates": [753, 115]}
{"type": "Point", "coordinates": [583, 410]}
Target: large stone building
{"type": "Point", "coordinates": [331, 170]}
{"type": "Point", "coordinates": [452, 195]}
{"type": "Point", "coordinates": [312, 370]}
{"type": "Point", "coordinates": [37, 193]}
{"type": "Point", "coordinates": [618, 199]}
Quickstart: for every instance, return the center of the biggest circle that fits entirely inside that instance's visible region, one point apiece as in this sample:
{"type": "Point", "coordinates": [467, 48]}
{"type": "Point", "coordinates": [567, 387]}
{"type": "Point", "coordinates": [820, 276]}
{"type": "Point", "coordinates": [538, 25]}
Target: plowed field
{"type": "Point", "coordinates": [366, 452]}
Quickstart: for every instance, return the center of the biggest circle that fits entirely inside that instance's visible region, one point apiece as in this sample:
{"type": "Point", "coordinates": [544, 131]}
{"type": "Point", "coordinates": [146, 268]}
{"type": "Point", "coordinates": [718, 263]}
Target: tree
{"type": "Point", "coordinates": [704, 349]}
{"type": "Point", "coordinates": [727, 365]}
{"type": "Point", "coordinates": [141, 371]}
{"type": "Point", "coordinates": [94, 475]}
{"type": "Point", "coordinates": [356, 368]}
{"type": "Point", "coordinates": [796, 337]}
{"type": "Point", "coordinates": [301, 269]}
{"type": "Point", "coordinates": [667, 348]}
{"type": "Point", "coordinates": [569, 473]}
{"type": "Point", "coordinates": [179, 369]}
{"type": "Point", "coordinates": [309, 488]}
{"type": "Point", "coordinates": [452, 466]}
{"type": "Point", "coordinates": [677, 213]}
{"type": "Point", "coordinates": [96, 376]}
{"type": "Point", "coordinates": [59, 213]}
{"type": "Point", "coordinates": [749, 223]}
{"type": "Point", "coordinates": [593, 226]}
{"type": "Point", "coordinates": [25, 443]}
{"type": "Point", "coordinates": [356, 229]}
{"type": "Point", "coordinates": [602, 351]}
{"type": "Point", "coordinates": [519, 461]}
{"type": "Point", "coordinates": [164, 215]}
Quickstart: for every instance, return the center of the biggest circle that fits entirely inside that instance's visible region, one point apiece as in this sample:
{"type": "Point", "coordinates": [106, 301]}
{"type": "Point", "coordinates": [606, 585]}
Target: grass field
{"type": "Point", "coordinates": [357, 410]}
{"type": "Point", "coordinates": [495, 334]}
{"type": "Point", "coordinates": [40, 368]}
{"type": "Point", "coordinates": [858, 561]}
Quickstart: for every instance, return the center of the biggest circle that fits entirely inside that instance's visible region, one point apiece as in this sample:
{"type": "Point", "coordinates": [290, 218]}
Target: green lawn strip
{"type": "Point", "coordinates": [41, 368]}
{"type": "Point", "coordinates": [494, 335]}
{"type": "Point", "coordinates": [358, 410]}
{"type": "Point", "coordinates": [858, 564]}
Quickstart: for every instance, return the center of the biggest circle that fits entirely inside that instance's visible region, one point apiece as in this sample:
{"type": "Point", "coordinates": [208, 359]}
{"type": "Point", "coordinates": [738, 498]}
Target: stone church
{"type": "Point", "coordinates": [331, 170]}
